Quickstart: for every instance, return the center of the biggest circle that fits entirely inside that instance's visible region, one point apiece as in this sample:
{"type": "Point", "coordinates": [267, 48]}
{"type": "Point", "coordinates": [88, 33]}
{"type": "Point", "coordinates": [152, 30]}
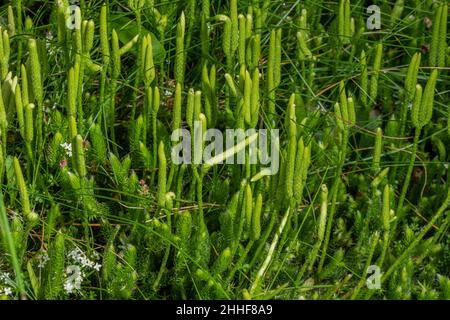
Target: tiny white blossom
{"type": "Point", "coordinates": [68, 147]}
{"type": "Point", "coordinates": [49, 35]}
{"type": "Point", "coordinates": [97, 266]}
{"type": "Point", "coordinates": [80, 258]}
{"type": "Point", "coordinates": [4, 276]}
{"type": "Point", "coordinates": [42, 258]}
{"type": "Point", "coordinates": [68, 287]}
{"type": "Point", "coordinates": [7, 291]}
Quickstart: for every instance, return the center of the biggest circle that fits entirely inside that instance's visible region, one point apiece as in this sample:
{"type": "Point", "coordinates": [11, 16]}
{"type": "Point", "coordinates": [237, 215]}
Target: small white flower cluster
{"type": "Point", "coordinates": [4, 276]}
{"type": "Point", "coordinates": [68, 147]}
{"type": "Point", "coordinates": [75, 273]}
{"type": "Point", "coordinates": [48, 43]}
{"type": "Point", "coordinates": [6, 292]}
{"type": "Point", "coordinates": [5, 280]}
{"type": "Point", "coordinates": [42, 259]}
{"type": "Point", "coordinates": [79, 257]}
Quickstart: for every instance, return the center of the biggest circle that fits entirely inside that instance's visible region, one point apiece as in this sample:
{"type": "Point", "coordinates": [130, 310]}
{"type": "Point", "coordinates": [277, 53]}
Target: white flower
{"type": "Point", "coordinates": [7, 291]}
{"type": "Point", "coordinates": [97, 266]}
{"type": "Point", "coordinates": [49, 35]}
{"type": "Point", "coordinates": [68, 148]}
{"type": "Point", "coordinates": [42, 258]}
{"type": "Point", "coordinates": [68, 287]}
{"type": "Point", "coordinates": [81, 259]}
{"type": "Point", "coordinates": [4, 276]}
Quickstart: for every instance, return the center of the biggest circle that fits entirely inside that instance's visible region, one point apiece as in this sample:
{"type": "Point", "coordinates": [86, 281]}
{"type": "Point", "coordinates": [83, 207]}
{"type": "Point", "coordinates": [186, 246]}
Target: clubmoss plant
{"type": "Point", "coordinates": [87, 116]}
{"type": "Point", "coordinates": [439, 36]}
{"type": "Point", "coordinates": [422, 112]}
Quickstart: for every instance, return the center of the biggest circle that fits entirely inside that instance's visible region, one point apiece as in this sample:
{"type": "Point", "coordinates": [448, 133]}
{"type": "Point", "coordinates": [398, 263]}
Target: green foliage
{"type": "Point", "coordinates": [93, 205]}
